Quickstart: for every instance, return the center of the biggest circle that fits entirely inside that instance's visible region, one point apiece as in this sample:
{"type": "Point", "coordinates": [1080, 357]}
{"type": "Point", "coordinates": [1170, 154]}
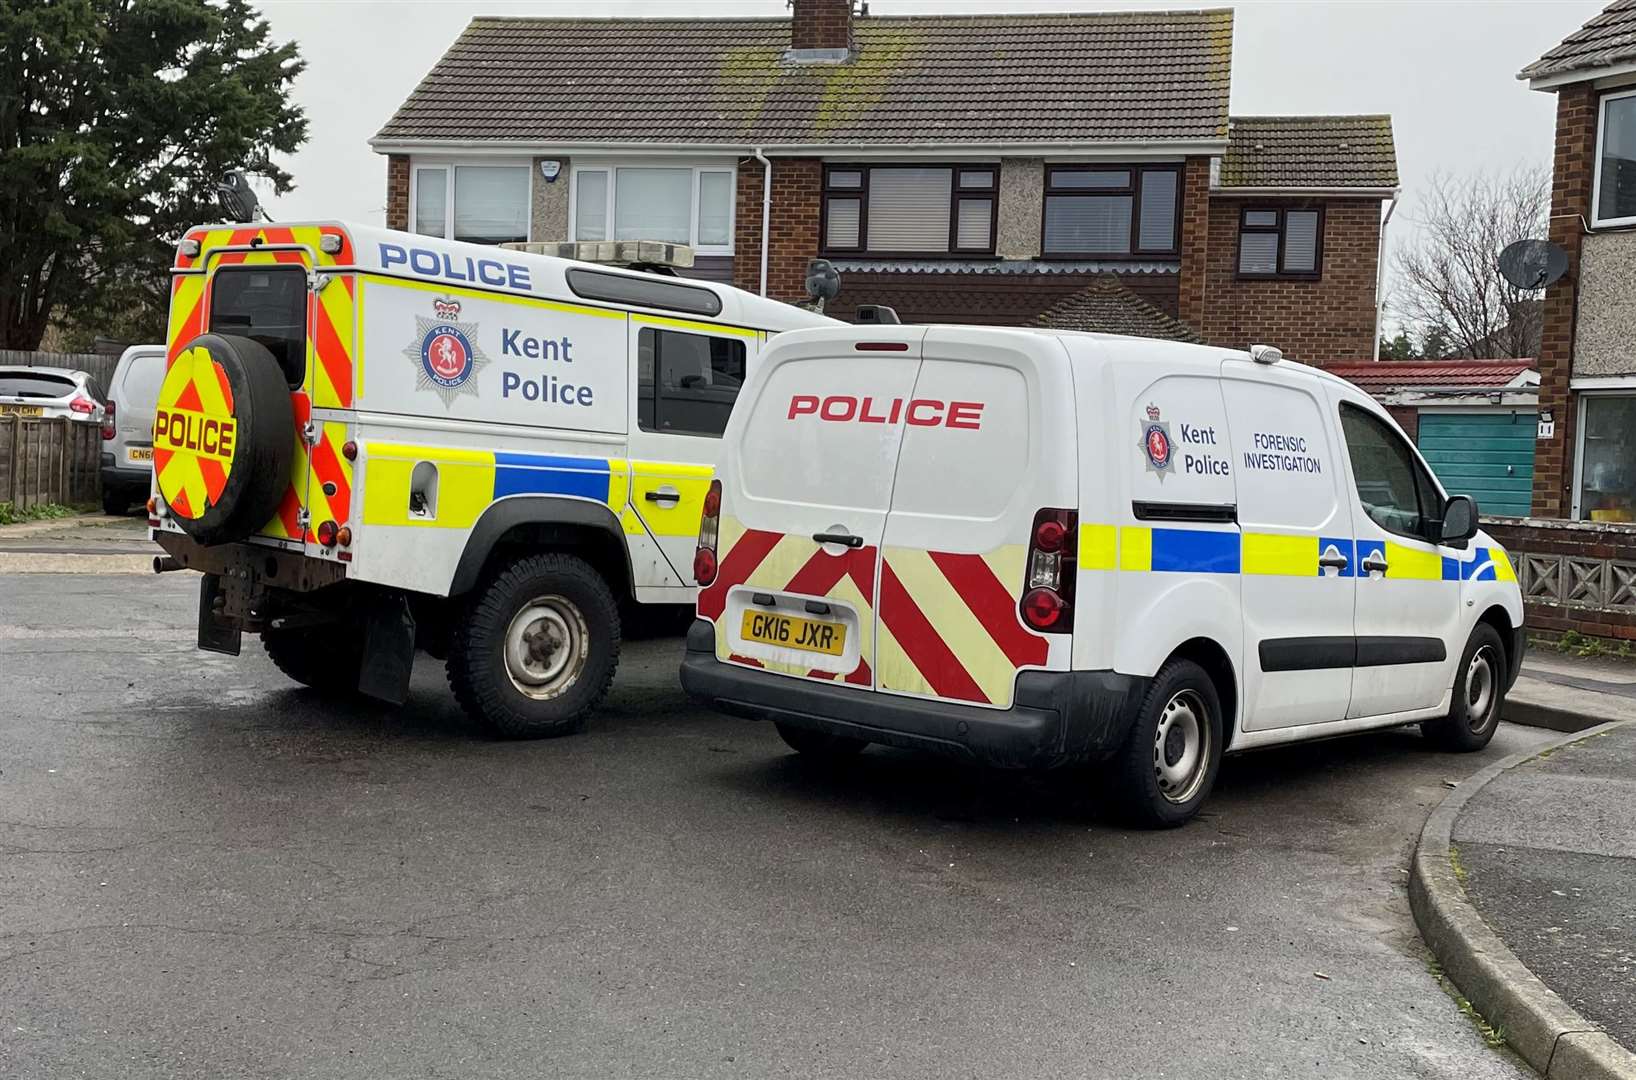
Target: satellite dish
{"type": "Point", "coordinates": [238, 201]}
{"type": "Point", "coordinates": [1533, 264]}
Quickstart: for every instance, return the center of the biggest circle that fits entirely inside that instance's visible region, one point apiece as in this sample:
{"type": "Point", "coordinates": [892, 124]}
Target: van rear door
{"type": "Point", "coordinates": [988, 443]}
{"type": "Point", "coordinates": [807, 480]}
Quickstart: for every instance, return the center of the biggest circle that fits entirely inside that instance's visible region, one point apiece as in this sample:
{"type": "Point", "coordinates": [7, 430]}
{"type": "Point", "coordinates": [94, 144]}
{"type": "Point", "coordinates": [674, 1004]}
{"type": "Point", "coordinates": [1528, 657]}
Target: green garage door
{"type": "Point", "coordinates": [1487, 455]}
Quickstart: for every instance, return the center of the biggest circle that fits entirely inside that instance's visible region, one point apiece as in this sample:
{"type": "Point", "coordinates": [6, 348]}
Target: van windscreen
{"type": "Point", "coordinates": [268, 305]}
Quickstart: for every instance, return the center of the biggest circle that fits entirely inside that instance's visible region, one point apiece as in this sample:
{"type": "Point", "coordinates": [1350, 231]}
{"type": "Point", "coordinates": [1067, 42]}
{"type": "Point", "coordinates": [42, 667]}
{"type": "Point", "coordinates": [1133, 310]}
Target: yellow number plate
{"type": "Point", "coordinates": [793, 632]}
{"type": "Point", "coordinates": [21, 410]}
{"type": "Point", "coordinates": [139, 453]}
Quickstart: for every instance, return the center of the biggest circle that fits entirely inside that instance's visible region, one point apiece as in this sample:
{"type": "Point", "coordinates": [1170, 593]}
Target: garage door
{"type": "Point", "coordinates": [1487, 455]}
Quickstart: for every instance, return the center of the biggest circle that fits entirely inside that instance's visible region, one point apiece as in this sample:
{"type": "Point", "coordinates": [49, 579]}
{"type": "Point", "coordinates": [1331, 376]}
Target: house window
{"type": "Point", "coordinates": [910, 210]}
{"type": "Point", "coordinates": [677, 204]}
{"type": "Point", "coordinates": [1607, 457]}
{"type": "Point", "coordinates": [483, 204]}
{"type": "Point", "coordinates": [1279, 243]}
{"type": "Point", "coordinates": [686, 383]}
{"type": "Point", "coordinates": [1615, 202]}
{"type": "Point", "coordinates": [1112, 211]}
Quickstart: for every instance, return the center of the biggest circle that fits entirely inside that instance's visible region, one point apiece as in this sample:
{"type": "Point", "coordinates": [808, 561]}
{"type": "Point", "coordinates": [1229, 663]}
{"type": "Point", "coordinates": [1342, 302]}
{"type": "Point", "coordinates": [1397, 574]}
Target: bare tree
{"type": "Point", "coordinates": [1449, 276]}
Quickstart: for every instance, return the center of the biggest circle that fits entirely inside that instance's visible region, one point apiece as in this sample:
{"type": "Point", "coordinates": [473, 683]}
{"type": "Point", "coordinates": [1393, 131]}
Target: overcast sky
{"type": "Point", "coordinates": [1445, 70]}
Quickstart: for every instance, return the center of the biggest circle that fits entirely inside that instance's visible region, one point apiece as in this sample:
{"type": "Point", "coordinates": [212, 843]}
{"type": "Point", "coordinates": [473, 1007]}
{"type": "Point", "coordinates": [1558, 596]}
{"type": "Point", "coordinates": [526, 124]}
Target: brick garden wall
{"type": "Point", "coordinates": [1575, 575]}
{"type": "Point", "coordinates": [793, 224]}
{"type": "Point", "coordinates": [1332, 318]}
{"type": "Point", "coordinates": [1571, 175]}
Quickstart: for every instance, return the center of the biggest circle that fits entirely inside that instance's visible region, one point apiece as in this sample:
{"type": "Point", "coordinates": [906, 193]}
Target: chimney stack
{"type": "Point", "coordinates": [820, 30]}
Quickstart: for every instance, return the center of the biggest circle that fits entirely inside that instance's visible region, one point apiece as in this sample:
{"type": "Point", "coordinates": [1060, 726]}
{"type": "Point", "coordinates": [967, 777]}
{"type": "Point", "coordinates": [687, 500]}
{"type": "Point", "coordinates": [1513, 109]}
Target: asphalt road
{"type": "Point", "coordinates": [207, 873]}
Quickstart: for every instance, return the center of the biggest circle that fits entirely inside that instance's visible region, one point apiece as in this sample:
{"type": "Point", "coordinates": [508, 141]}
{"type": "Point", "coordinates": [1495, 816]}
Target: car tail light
{"type": "Point", "coordinates": [704, 557]}
{"type": "Point", "coordinates": [108, 422]}
{"type": "Point", "coordinates": [82, 405]}
{"type": "Point", "coordinates": [327, 532]}
{"type": "Point", "coordinates": [1053, 564]}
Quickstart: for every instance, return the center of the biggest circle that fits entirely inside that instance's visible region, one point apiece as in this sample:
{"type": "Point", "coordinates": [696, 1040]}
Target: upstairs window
{"type": "Point", "coordinates": [483, 204]}
{"type": "Point", "coordinates": [1616, 161]}
{"type": "Point", "coordinates": [1280, 243]}
{"type": "Point", "coordinates": [678, 205]}
{"type": "Point", "coordinates": [1116, 212]}
{"type": "Point", "coordinates": [910, 210]}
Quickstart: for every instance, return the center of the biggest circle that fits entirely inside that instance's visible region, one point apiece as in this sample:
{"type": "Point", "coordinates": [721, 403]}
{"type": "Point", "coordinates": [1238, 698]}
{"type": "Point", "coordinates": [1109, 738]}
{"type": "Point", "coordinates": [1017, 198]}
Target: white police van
{"type": "Point", "coordinates": [370, 442]}
{"type": "Point", "coordinates": [1037, 548]}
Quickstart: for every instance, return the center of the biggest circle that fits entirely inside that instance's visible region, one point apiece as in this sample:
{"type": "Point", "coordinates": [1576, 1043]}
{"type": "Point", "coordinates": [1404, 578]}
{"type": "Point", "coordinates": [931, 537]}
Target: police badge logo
{"type": "Point", "coordinates": [1156, 443]}
{"type": "Point", "coordinates": [445, 353]}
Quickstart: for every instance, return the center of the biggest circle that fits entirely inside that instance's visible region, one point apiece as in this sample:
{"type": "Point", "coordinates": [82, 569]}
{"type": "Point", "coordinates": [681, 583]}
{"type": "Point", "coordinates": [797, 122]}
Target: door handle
{"type": "Point", "coordinates": [1374, 563]}
{"type": "Point", "coordinates": [662, 495]}
{"type": "Point", "coordinates": [844, 539]}
{"type": "Point", "coordinates": [1337, 560]}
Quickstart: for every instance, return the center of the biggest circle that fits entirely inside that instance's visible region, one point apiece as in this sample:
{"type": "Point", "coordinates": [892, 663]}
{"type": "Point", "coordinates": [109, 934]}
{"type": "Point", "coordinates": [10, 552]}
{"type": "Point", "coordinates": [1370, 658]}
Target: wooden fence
{"type": "Point", "coordinates": [100, 365]}
{"type": "Point", "coordinates": [49, 461]}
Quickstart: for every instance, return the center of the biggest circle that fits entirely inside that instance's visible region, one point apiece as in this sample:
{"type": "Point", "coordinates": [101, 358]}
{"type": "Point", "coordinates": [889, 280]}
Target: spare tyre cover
{"type": "Point", "coordinates": [223, 438]}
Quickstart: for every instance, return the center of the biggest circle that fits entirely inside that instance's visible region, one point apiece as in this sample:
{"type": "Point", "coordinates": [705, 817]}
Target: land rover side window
{"type": "Point", "coordinates": [1392, 486]}
{"type": "Point", "coordinates": [686, 383]}
{"type": "Point", "coordinates": [268, 305]}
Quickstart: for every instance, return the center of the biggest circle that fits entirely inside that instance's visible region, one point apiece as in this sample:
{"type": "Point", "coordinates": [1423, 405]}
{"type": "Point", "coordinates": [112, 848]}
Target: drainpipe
{"type": "Point", "coordinates": [1380, 271]}
{"type": "Point", "coordinates": [766, 208]}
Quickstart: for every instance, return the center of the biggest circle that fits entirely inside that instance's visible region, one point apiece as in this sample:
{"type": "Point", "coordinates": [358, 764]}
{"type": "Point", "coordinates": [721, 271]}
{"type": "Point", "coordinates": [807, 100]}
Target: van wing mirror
{"type": "Point", "coordinates": [1459, 520]}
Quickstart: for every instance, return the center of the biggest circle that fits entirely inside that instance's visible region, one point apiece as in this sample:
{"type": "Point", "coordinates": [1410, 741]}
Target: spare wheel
{"type": "Point", "coordinates": [223, 438]}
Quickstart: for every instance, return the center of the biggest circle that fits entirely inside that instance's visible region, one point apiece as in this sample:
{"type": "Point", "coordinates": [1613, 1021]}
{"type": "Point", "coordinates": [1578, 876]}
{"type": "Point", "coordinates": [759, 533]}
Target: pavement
{"type": "Point", "coordinates": [81, 544]}
{"type": "Point", "coordinates": [205, 872]}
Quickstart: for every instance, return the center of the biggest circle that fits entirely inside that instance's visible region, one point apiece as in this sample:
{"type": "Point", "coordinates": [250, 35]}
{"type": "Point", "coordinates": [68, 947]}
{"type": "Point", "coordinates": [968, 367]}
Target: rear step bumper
{"type": "Point", "coordinates": [1057, 718]}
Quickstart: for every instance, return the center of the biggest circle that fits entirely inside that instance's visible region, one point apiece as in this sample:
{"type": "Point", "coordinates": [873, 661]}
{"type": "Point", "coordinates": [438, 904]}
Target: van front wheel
{"type": "Point", "coordinates": [1168, 765]}
{"type": "Point", "coordinates": [535, 652]}
{"type": "Point", "coordinates": [1479, 694]}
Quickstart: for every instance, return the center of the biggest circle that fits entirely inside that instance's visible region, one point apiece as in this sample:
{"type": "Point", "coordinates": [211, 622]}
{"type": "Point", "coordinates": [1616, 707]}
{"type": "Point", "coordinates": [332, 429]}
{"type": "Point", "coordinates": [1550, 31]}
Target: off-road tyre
{"type": "Point", "coordinates": [1147, 790]}
{"type": "Point", "coordinates": [1480, 683]}
{"type": "Point", "coordinates": [318, 657]}
{"type": "Point", "coordinates": [819, 745]}
{"type": "Point", "coordinates": [569, 596]}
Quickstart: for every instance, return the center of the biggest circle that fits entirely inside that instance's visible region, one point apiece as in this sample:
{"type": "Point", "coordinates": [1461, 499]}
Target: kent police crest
{"type": "Point", "coordinates": [1156, 443]}
{"type": "Point", "coordinates": [445, 353]}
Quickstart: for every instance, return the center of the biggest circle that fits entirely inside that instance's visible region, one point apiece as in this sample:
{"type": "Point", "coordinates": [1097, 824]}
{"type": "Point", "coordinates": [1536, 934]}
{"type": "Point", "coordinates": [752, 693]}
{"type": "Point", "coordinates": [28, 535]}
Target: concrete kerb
{"type": "Point", "coordinates": [1538, 1025]}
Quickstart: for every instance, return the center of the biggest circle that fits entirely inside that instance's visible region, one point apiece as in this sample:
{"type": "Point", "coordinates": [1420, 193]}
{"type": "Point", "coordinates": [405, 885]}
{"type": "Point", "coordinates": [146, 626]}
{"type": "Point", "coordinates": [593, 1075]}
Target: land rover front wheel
{"type": "Point", "coordinates": [534, 653]}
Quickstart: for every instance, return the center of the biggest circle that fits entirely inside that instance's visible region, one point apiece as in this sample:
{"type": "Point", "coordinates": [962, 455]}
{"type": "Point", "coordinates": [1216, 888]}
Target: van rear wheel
{"type": "Point", "coordinates": [819, 745]}
{"type": "Point", "coordinates": [535, 652]}
{"type": "Point", "coordinates": [1479, 695]}
{"type": "Point", "coordinates": [1168, 765]}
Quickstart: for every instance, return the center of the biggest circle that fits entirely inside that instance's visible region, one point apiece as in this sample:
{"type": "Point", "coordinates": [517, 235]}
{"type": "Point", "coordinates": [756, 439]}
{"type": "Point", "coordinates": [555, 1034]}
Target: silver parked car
{"type": "Point", "coordinates": [49, 392]}
{"type": "Point", "coordinates": [127, 429]}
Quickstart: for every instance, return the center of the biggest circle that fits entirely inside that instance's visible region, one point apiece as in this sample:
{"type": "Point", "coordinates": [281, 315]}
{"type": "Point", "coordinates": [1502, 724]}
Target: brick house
{"type": "Point", "coordinates": [1071, 169]}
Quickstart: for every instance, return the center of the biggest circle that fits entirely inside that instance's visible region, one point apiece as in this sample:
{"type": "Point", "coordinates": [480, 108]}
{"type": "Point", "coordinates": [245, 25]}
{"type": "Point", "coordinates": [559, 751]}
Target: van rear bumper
{"type": "Point", "coordinates": [1057, 717]}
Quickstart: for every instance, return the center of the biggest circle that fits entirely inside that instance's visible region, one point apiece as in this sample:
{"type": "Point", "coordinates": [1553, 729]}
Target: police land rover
{"type": "Point", "coordinates": [370, 442]}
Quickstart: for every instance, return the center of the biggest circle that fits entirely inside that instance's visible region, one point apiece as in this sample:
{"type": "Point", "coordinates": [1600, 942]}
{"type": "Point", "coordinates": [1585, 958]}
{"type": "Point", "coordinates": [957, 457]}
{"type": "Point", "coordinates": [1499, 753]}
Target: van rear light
{"type": "Point", "coordinates": [108, 421]}
{"type": "Point", "coordinates": [704, 556]}
{"type": "Point", "coordinates": [1053, 565]}
{"type": "Point", "coordinates": [882, 346]}
{"type": "Point", "coordinates": [83, 405]}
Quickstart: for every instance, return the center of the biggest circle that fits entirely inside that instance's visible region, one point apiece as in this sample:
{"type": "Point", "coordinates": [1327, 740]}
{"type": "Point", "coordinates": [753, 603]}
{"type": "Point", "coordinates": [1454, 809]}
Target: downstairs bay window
{"type": "Point", "coordinates": [1606, 488]}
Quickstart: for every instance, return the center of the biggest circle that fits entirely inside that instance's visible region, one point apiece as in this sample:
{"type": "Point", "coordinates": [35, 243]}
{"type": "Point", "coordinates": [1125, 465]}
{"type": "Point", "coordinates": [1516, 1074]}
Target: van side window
{"type": "Point", "coordinates": [686, 383]}
{"type": "Point", "coordinates": [268, 305]}
{"type": "Point", "coordinates": [1393, 488]}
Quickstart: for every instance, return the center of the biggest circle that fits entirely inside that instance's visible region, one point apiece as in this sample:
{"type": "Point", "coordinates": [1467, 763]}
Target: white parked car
{"type": "Point", "coordinates": [49, 392]}
{"type": "Point", "coordinates": [1037, 548]}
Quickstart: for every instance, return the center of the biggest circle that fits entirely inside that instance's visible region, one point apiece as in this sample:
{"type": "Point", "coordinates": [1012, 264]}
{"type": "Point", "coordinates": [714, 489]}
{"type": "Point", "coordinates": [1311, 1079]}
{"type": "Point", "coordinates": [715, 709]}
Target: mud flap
{"type": "Point", "coordinates": [389, 649]}
{"type": "Point", "coordinates": [216, 634]}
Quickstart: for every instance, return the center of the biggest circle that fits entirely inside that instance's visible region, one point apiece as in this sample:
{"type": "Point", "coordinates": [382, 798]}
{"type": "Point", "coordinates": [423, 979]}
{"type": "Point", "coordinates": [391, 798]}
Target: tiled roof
{"type": "Point", "coordinates": [1071, 78]}
{"type": "Point", "coordinates": [1310, 152]}
{"type": "Point", "coordinates": [1608, 39]}
{"type": "Point", "coordinates": [1429, 374]}
{"type": "Point", "coordinates": [1105, 306]}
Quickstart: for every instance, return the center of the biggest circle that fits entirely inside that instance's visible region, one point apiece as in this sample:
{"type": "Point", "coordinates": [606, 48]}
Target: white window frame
{"type": "Point", "coordinates": [698, 167]}
{"type": "Point", "coordinates": [1616, 386]}
{"type": "Point", "coordinates": [1597, 221]}
{"type": "Point", "coordinates": [449, 164]}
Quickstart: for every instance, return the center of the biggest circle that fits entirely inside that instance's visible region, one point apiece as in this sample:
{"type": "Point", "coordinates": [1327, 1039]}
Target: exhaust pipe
{"type": "Point", "coordinates": [164, 564]}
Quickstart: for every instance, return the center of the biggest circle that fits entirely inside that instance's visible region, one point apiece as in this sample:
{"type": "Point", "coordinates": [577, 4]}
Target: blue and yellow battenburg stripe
{"type": "Point", "coordinates": [468, 481]}
{"type": "Point", "coordinates": [1154, 549]}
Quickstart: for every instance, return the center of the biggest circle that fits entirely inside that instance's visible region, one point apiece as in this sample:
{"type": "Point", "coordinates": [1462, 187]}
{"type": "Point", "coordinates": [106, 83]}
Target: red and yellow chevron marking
{"type": "Point", "coordinates": [186, 313]}
{"type": "Point", "coordinates": [330, 467]}
{"type": "Point", "coordinates": [948, 625]}
{"type": "Point", "coordinates": [330, 341]}
{"type": "Point", "coordinates": [783, 562]}
{"type": "Point", "coordinates": [211, 241]}
{"type": "Point", "coordinates": [286, 523]}
{"type": "Point", "coordinates": [195, 436]}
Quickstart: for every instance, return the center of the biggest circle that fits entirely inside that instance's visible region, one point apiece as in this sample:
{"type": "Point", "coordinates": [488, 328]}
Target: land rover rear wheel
{"type": "Point", "coordinates": [325, 661]}
{"type": "Point", "coordinates": [535, 651]}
